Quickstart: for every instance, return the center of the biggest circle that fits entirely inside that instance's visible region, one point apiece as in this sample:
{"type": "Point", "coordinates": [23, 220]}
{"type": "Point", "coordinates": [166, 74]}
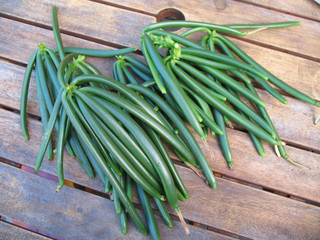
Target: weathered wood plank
{"type": "Point", "coordinates": [232, 12]}
{"type": "Point", "coordinates": [87, 18]}
{"type": "Point", "coordinates": [309, 9]}
{"type": "Point", "coordinates": [9, 231]}
{"type": "Point", "coordinates": [249, 212]}
{"type": "Point", "coordinates": [14, 147]}
{"type": "Point", "coordinates": [270, 171]}
{"type": "Point", "coordinates": [72, 214]}
{"type": "Point", "coordinates": [299, 72]}
{"type": "Point", "coordinates": [236, 198]}
{"type": "Point", "coordinates": [301, 132]}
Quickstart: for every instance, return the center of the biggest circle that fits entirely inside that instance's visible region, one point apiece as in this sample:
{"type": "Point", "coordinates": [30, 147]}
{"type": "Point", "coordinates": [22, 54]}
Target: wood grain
{"type": "Point", "coordinates": [302, 132]}
{"type": "Point", "coordinates": [72, 214]}
{"type": "Point", "coordinates": [86, 18]}
{"type": "Point", "coordinates": [233, 207]}
{"type": "Point", "coordinates": [11, 232]}
{"type": "Point", "coordinates": [302, 39]}
{"type": "Point", "coordinates": [305, 8]}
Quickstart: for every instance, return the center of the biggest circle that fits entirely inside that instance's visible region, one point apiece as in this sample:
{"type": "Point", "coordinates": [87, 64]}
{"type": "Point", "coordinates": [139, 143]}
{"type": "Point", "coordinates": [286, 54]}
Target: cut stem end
{"type": "Point", "coordinates": [183, 222]}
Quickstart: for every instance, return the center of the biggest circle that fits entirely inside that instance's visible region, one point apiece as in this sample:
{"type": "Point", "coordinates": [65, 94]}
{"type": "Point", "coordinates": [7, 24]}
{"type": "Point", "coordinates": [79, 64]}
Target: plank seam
{"type": "Point", "coordinates": [278, 10]}
{"type": "Point", "coordinates": [124, 7]}
{"type": "Point", "coordinates": [26, 228]}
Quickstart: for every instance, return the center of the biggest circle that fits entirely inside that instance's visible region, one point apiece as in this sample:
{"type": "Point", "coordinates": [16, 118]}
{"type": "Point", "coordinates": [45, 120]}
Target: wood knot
{"type": "Point", "coordinates": [220, 4]}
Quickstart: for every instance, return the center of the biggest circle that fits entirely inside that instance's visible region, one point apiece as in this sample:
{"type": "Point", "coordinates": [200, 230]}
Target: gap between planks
{"type": "Point", "coordinates": [115, 45]}
{"type": "Point", "coordinates": [107, 196]}
{"type": "Point", "coordinates": [66, 32]}
{"type": "Point", "coordinates": [278, 10]}
{"type": "Point", "coordinates": [124, 7]}
{"type": "Point", "coordinates": [242, 1]}
{"type": "Point", "coordinates": [16, 230]}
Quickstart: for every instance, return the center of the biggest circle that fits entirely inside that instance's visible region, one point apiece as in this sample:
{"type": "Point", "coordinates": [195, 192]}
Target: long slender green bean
{"type": "Point", "coordinates": [239, 73]}
{"type": "Point", "coordinates": [135, 162]}
{"type": "Point", "coordinates": [128, 74]}
{"type": "Point", "coordinates": [192, 24]}
{"type": "Point", "coordinates": [56, 32]}
{"type": "Point", "coordinates": [256, 141]}
{"type": "Point", "coordinates": [272, 78]}
{"type": "Point", "coordinates": [144, 77]}
{"type": "Point", "coordinates": [80, 154]}
{"type": "Point", "coordinates": [47, 135]}
{"type": "Point", "coordinates": [164, 131]}
{"type": "Point", "coordinates": [93, 162]}
{"type": "Point", "coordinates": [24, 94]}
{"type": "Point", "coordinates": [269, 88]}
{"type": "Point", "coordinates": [43, 113]}
{"type": "Point", "coordinates": [148, 212]}
{"type": "Point", "coordinates": [153, 66]}
{"type": "Point", "coordinates": [223, 59]}
{"type": "Point", "coordinates": [96, 140]}
{"type": "Point", "coordinates": [180, 125]}
{"type": "Point", "coordinates": [223, 139]}
{"type": "Point", "coordinates": [151, 151]}
{"type": "Point", "coordinates": [139, 65]}
{"type": "Point", "coordinates": [119, 72]}
{"type": "Point", "coordinates": [123, 89]}
{"type": "Point", "coordinates": [99, 52]}
{"type": "Point", "coordinates": [62, 66]}
{"type": "Point", "coordinates": [173, 86]}
{"type": "Point", "coordinates": [52, 72]}
{"type": "Point", "coordinates": [114, 182]}
{"type": "Point", "coordinates": [112, 148]}
{"type": "Point", "coordinates": [262, 25]}
{"type": "Point", "coordinates": [54, 57]}
{"type": "Point", "coordinates": [207, 62]}
{"type": "Point", "coordinates": [125, 138]}
{"type": "Point", "coordinates": [157, 141]}
{"type": "Point", "coordinates": [164, 212]}
{"type": "Point", "coordinates": [60, 147]}
{"type": "Point", "coordinates": [194, 30]}
{"type": "Point", "coordinates": [205, 79]}
{"type": "Point", "coordinates": [224, 108]}
{"type": "Point", "coordinates": [129, 187]}
{"type": "Point", "coordinates": [236, 86]}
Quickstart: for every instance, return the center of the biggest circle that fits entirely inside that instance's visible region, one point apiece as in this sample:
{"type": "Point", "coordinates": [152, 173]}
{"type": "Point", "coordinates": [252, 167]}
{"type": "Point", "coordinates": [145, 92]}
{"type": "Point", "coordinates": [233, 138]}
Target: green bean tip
{"type": "Point", "coordinates": [231, 166]}
{"type": "Point", "coordinates": [163, 198]}
{"type": "Point", "coordinates": [59, 188]}
{"type": "Point", "coordinates": [26, 136]}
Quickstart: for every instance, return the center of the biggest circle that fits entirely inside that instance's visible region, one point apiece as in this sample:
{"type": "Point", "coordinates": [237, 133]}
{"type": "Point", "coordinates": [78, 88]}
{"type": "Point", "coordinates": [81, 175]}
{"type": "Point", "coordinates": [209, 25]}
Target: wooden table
{"type": "Point", "coordinates": [263, 198]}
